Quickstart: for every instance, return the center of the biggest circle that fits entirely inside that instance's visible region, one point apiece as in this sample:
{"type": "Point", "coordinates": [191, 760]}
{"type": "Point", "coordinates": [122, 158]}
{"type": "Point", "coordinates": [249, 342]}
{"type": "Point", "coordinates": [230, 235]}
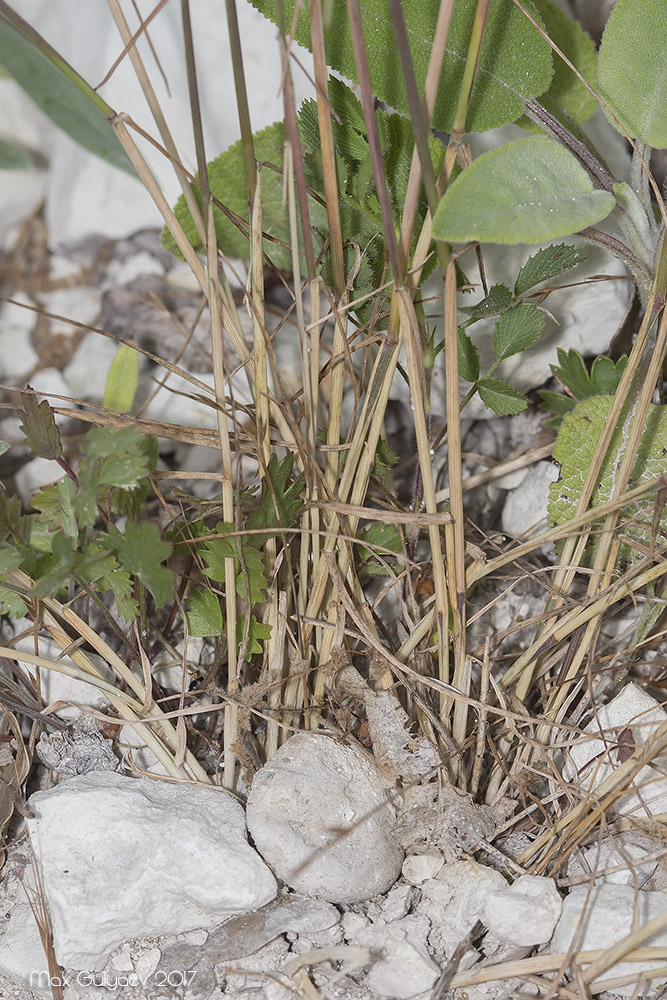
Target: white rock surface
{"type": "Point", "coordinates": [609, 914]}
{"type": "Point", "coordinates": [405, 968]}
{"type": "Point", "coordinates": [525, 510]}
{"type": "Point", "coordinates": [87, 380]}
{"type": "Point", "coordinates": [81, 304]}
{"type": "Point", "coordinates": [22, 957]}
{"type": "Point", "coordinates": [418, 868]}
{"type": "Point", "coordinates": [17, 355]}
{"type": "Point", "coordinates": [592, 761]}
{"type": "Point", "coordinates": [55, 686]}
{"type": "Point", "coordinates": [35, 474]}
{"type": "Point", "coordinates": [625, 856]}
{"type": "Point", "coordinates": [524, 913]}
{"type": "Point", "coordinates": [454, 902]}
{"type": "Point", "coordinates": [126, 857]}
{"type": "Point", "coordinates": [320, 817]}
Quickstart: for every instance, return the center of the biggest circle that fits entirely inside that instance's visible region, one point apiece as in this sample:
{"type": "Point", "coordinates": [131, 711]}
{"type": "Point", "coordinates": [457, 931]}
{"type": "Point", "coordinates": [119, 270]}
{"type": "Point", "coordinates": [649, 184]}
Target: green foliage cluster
{"type": "Point", "coordinates": [639, 523]}
{"type": "Point", "coordinates": [89, 529]}
{"type": "Point", "coordinates": [279, 505]}
{"type": "Point", "coordinates": [519, 325]}
{"type": "Point", "coordinates": [361, 221]}
{"type": "Point", "coordinates": [571, 370]}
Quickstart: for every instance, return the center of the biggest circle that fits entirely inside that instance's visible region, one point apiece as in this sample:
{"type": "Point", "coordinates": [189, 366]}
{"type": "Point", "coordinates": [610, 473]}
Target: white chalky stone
{"type": "Point", "coordinates": [320, 817]}
{"type": "Point", "coordinates": [127, 857]}
{"type": "Point", "coordinates": [524, 913]}
{"type": "Point", "coordinates": [610, 912]}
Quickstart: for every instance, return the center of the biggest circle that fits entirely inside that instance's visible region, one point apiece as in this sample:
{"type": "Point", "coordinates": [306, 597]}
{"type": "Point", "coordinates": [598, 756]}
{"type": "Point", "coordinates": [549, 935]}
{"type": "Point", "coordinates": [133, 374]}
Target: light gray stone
{"type": "Point", "coordinates": [454, 902]}
{"type": "Point", "coordinates": [525, 510]}
{"type": "Point", "coordinates": [86, 374]}
{"type": "Point", "coordinates": [404, 968]}
{"type": "Point", "coordinates": [609, 914]}
{"type": "Point", "coordinates": [617, 728]}
{"type": "Point", "coordinates": [17, 355]}
{"type": "Point", "coordinates": [418, 868]}
{"type": "Point", "coordinates": [524, 913]}
{"type": "Point", "coordinates": [321, 818]}
{"type": "Point", "coordinates": [127, 857]}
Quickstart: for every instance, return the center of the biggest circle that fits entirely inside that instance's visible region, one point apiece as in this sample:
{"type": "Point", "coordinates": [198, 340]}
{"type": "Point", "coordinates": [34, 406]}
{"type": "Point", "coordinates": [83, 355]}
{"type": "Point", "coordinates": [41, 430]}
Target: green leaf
{"type": "Point", "coordinates": [72, 106]}
{"type": "Point", "coordinates": [13, 157]}
{"type": "Point", "coordinates": [468, 357]}
{"type": "Point", "coordinates": [567, 97]}
{"type": "Point", "coordinates": [501, 397]}
{"type": "Point", "coordinates": [56, 570]}
{"type": "Point", "coordinates": [382, 536]}
{"type": "Point", "coordinates": [547, 264]}
{"type": "Point", "coordinates": [141, 551]}
{"type": "Point", "coordinates": [227, 181]}
{"type": "Point", "coordinates": [606, 374]}
{"type": "Point", "coordinates": [384, 460]}
{"type": "Point", "coordinates": [216, 550]}
{"type": "Point", "coordinates": [557, 403]}
{"type": "Point", "coordinates": [205, 614]}
{"type": "Point", "coordinates": [10, 515]}
{"type": "Point", "coordinates": [279, 503]}
{"type": "Point", "coordinates": [40, 428]}
{"type": "Point", "coordinates": [99, 567]}
{"type": "Point", "coordinates": [515, 61]}
{"type": "Point", "coordinates": [572, 372]}
{"type": "Point", "coordinates": [529, 191]}
{"type": "Point", "coordinates": [257, 633]}
{"type": "Point", "coordinates": [11, 604]}
{"type": "Point", "coordinates": [632, 69]}
{"type": "Point", "coordinates": [499, 298]}
{"type": "Point", "coordinates": [55, 507]}
{"type": "Point", "coordinates": [121, 384]}
{"type": "Point", "coordinates": [576, 445]}
{"type": "Point", "coordinates": [517, 329]}
{"type": "Point", "coordinates": [4, 447]}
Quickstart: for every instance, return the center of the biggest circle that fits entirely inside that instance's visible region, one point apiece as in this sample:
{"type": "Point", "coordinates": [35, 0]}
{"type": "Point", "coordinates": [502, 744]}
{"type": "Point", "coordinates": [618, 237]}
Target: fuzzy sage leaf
{"type": "Point", "coordinates": [528, 191]}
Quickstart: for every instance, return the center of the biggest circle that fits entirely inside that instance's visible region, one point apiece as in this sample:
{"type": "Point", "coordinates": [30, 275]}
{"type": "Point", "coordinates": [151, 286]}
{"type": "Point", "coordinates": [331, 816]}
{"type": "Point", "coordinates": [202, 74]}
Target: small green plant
{"type": "Point", "coordinates": [602, 380]}
{"type": "Point", "coordinates": [73, 535]}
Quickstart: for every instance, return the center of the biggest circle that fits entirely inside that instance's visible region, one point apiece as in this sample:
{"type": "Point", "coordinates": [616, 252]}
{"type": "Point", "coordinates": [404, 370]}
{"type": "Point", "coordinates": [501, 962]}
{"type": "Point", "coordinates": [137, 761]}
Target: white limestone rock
{"type": "Point", "coordinates": [17, 355]}
{"type": "Point", "coordinates": [617, 728]}
{"type": "Point", "coordinates": [609, 911]}
{"type": "Point", "coordinates": [22, 958]}
{"type": "Point", "coordinates": [321, 818]}
{"type": "Point", "coordinates": [127, 857]}
{"type": "Point", "coordinates": [454, 902]}
{"type": "Point", "coordinates": [618, 861]}
{"type": "Point", "coordinates": [81, 304]}
{"type": "Point", "coordinates": [525, 510]}
{"type": "Point", "coordinates": [86, 374]}
{"type": "Point", "coordinates": [418, 868]}
{"type": "Point", "coordinates": [404, 969]}
{"type": "Point", "coordinates": [524, 913]}
{"type": "Point", "coordinates": [58, 687]}
{"type": "Point", "coordinates": [85, 194]}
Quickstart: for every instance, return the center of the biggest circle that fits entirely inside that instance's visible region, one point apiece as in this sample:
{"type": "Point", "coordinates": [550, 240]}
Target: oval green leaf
{"type": "Point", "coordinates": [121, 384]}
{"type": "Point", "coordinates": [528, 191]}
{"type": "Point", "coordinates": [632, 69]}
{"type": "Point", "coordinates": [567, 98]}
{"type": "Point", "coordinates": [515, 62]}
